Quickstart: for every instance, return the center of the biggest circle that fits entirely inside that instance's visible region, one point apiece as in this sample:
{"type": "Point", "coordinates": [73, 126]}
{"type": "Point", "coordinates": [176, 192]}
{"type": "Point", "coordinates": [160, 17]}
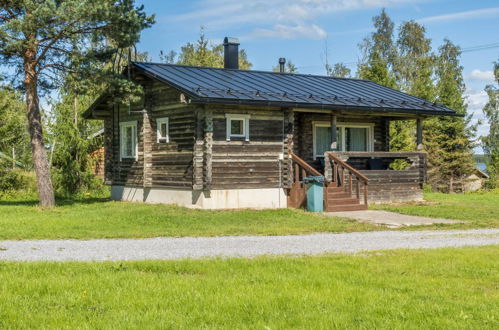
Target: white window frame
{"type": "Point", "coordinates": [245, 119]}
{"type": "Point", "coordinates": [342, 126]}
{"type": "Point", "coordinates": [159, 121]}
{"type": "Point", "coordinates": [123, 126]}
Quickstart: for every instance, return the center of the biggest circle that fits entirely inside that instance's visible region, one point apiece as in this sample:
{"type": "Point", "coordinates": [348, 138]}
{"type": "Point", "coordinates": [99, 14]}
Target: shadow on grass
{"type": "Point", "coordinates": [60, 201]}
{"type": "Point", "coordinates": [30, 202]}
{"type": "Point", "coordinates": [82, 200]}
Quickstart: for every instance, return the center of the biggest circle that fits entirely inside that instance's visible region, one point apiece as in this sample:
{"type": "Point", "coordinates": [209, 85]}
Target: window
{"type": "Point", "coordinates": [237, 126]}
{"type": "Point", "coordinates": [356, 138]}
{"type": "Point", "coordinates": [350, 137]}
{"type": "Point", "coordinates": [162, 130]}
{"type": "Point", "coordinates": [128, 140]}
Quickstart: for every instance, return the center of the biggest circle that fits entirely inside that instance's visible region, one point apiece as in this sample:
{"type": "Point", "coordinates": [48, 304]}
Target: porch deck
{"type": "Point", "coordinates": [386, 184]}
{"type": "Point", "coordinates": [354, 179]}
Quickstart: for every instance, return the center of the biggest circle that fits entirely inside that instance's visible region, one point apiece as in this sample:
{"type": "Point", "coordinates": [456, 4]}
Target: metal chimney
{"type": "Point", "coordinates": [231, 53]}
{"type": "Point", "coordinates": [282, 62]}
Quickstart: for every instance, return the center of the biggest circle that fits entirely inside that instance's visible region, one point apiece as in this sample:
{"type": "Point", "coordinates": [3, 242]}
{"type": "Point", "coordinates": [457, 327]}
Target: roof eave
{"type": "Point", "coordinates": [89, 112]}
{"type": "Point", "coordinates": [208, 100]}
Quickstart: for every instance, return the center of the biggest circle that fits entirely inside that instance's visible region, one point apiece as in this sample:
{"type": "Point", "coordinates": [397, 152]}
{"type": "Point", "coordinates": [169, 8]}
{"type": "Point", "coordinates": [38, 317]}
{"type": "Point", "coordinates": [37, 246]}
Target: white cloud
{"type": "Point", "coordinates": [479, 13]}
{"type": "Point", "coordinates": [275, 18]}
{"type": "Point", "coordinates": [476, 101]}
{"type": "Point", "coordinates": [290, 32]}
{"type": "Point", "coordinates": [484, 76]}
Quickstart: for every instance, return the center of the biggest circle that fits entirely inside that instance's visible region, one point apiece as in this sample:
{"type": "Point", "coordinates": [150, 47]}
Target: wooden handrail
{"type": "Point", "coordinates": [305, 165]}
{"type": "Point", "coordinates": [352, 170]}
{"type": "Point", "coordinates": [297, 192]}
{"type": "Point", "coordinates": [339, 164]}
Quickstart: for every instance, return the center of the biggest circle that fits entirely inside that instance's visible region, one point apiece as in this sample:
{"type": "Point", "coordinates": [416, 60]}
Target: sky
{"type": "Point", "coordinates": [304, 31]}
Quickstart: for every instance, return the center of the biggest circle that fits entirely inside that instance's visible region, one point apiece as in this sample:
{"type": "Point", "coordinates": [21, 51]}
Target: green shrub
{"type": "Point", "coordinates": [427, 188]}
{"type": "Point", "coordinates": [16, 180]}
{"type": "Point", "coordinates": [75, 183]}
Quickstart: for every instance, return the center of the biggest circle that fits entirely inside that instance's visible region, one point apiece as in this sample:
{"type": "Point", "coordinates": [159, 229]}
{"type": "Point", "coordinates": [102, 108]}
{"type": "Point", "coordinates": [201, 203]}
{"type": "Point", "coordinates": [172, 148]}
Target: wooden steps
{"type": "Point", "coordinates": [337, 199]}
{"type": "Point", "coordinates": [354, 207]}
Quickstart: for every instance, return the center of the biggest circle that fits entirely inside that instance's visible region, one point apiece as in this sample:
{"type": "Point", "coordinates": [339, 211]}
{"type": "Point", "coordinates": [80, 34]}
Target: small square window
{"type": "Point", "coordinates": [237, 126]}
{"type": "Point", "coordinates": [162, 130]}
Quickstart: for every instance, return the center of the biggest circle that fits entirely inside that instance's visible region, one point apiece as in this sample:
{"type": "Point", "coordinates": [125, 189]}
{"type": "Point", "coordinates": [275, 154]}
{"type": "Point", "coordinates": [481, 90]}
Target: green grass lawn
{"type": "Point", "coordinates": [426, 289]}
{"type": "Point", "coordinates": [100, 218]}
{"type": "Point", "coordinates": [478, 210]}
{"type": "Point", "coordinates": [21, 218]}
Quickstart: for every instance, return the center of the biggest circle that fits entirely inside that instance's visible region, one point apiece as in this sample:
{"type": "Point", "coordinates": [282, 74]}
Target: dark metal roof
{"type": "Point", "coordinates": [228, 86]}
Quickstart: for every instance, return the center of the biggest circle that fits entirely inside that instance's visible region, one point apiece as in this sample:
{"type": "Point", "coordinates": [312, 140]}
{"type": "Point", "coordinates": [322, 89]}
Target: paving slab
{"type": "Point", "coordinates": [390, 219]}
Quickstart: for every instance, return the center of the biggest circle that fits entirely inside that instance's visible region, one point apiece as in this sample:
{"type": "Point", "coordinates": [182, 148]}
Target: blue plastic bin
{"type": "Point", "coordinates": [315, 193]}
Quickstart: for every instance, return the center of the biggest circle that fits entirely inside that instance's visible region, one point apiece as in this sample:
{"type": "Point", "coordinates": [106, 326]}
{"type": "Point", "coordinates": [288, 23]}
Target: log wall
{"type": "Point", "coordinates": [168, 165]}
{"type": "Point", "coordinates": [172, 162]}
{"type": "Point", "coordinates": [239, 164]}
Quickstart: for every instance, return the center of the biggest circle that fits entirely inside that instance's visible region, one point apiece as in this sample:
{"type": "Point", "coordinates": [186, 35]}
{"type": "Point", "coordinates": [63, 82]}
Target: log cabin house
{"type": "Point", "coordinates": [218, 138]}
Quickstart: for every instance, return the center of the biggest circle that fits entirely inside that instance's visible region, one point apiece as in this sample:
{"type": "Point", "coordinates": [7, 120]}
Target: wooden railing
{"type": "Point", "coordinates": [343, 175]}
{"type": "Point", "coordinates": [360, 160]}
{"type": "Point", "coordinates": [297, 193]}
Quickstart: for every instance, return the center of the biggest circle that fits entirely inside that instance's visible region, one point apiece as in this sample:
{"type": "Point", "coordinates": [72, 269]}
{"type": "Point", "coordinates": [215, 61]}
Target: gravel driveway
{"type": "Point", "coordinates": [240, 246]}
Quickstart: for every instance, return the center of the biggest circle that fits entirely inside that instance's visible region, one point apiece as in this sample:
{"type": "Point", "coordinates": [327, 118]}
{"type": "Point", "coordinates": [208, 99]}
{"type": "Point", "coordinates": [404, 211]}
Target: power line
{"type": "Point", "coordinates": [463, 50]}
{"type": "Point", "coordinates": [480, 47]}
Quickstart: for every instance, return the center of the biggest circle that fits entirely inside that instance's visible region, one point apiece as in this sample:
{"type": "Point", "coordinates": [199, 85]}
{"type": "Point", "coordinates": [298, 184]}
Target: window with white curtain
{"type": "Point", "coordinates": [350, 137]}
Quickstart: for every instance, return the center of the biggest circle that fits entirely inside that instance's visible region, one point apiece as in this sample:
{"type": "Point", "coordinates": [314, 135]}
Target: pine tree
{"type": "Point", "coordinates": [490, 142]}
{"type": "Point", "coordinates": [44, 40]}
{"type": "Point", "coordinates": [449, 140]}
{"type": "Point", "coordinates": [73, 140]}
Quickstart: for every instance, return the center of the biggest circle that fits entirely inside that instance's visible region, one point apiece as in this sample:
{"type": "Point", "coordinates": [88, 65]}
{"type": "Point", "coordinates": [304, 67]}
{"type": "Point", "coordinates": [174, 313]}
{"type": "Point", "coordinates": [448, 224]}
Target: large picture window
{"type": "Point", "coordinates": [350, 137]}
{"type": "Point", "coordinates": [128, 139]}
{"type": "Point", "coordinates": [237, 126]}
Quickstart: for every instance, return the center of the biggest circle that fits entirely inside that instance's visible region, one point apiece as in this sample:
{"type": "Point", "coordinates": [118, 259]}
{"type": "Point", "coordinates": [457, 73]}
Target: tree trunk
{"type": "Point", "coordinates": [43, 180]}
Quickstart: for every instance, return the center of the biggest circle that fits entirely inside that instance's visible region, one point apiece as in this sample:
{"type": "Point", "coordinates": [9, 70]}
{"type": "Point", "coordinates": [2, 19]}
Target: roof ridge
{"type": "Point", "coordinates": [256, 71]}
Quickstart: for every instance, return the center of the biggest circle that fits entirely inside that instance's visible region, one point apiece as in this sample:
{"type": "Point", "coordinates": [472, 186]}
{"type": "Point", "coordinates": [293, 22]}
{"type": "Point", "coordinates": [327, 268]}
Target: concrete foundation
{"type": "Point", "coordinates": [269, 198]}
